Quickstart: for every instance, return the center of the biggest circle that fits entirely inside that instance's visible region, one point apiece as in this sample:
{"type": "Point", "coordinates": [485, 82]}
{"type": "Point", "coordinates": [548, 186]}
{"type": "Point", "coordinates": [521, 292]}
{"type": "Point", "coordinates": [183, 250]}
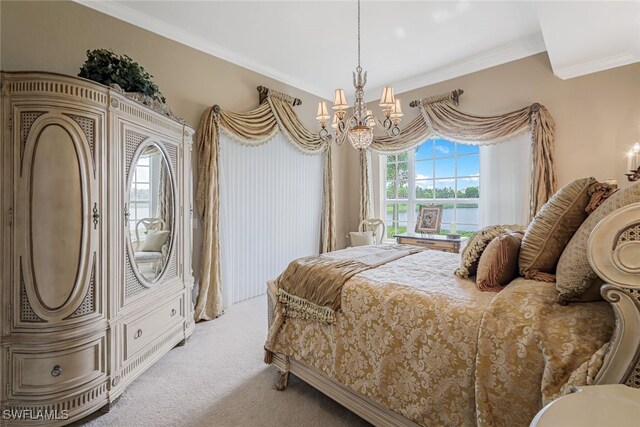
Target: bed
{"type": "Point", "coordinates": [411, 344]}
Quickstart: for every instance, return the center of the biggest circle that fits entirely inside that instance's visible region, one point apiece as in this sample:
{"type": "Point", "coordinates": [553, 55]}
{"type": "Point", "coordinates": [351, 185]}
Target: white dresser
{"type": "Point", "coordinates": [95, 254]}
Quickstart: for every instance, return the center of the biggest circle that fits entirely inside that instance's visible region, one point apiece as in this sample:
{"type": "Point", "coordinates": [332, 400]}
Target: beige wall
{"type": "Point", "coordinates": [54, 36]}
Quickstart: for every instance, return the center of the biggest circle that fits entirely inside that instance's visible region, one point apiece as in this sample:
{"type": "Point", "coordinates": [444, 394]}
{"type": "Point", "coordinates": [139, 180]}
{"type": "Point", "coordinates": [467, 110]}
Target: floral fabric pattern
{"type": "Point", "coordinates": [433, 348]}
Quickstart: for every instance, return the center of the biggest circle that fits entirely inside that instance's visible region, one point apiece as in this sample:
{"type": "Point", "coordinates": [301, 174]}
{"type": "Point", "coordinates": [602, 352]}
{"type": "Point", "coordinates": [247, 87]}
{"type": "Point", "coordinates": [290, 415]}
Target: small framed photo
{"type": "Point", "coordinates": [429, 219]}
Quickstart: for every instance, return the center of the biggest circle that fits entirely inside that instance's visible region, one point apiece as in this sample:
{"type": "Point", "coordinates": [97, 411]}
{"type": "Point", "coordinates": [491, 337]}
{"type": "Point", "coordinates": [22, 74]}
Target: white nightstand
{"type": "Point", "coordinates": [593, 406]}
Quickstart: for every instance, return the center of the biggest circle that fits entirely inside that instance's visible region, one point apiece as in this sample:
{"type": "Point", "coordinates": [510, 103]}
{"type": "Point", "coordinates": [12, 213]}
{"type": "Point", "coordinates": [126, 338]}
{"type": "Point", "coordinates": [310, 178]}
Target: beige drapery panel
{"type": "Point", "coordinates": [252, 128]}
{"type": "Point", "coordinates": [439, 116]}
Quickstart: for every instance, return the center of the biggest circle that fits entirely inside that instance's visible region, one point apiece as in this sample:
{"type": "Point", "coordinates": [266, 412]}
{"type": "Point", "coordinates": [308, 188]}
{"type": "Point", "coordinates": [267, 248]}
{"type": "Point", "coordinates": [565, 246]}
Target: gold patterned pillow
{"type": "Point", "coordinates": [575, 280]}
{"type": "Point", "coordinates": [476, 245]}
{"type": "Point", "coordinates": [552, 228]}
{"type": "Point", "coordinates": [499, 262]}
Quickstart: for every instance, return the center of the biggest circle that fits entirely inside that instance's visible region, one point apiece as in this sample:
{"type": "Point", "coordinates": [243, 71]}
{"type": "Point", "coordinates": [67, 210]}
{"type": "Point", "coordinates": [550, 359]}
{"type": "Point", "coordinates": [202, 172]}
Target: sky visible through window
{"type": "Point", "coordinates": [438, 172]}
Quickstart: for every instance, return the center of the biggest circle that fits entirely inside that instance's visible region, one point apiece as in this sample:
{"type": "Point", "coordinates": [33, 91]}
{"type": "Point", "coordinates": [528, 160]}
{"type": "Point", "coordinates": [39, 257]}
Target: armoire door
{"type": "Point", "coordinates": [58, 218]}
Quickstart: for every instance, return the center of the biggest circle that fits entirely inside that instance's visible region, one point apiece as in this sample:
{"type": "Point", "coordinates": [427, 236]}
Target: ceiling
{"type": "Point", "coordinates": [311, 45]}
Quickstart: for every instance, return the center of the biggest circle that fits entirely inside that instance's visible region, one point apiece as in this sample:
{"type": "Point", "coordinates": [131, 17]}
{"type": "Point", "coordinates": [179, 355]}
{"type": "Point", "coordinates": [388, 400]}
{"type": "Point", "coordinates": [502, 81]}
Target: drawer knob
{"type": "Point", "coordinates": [138, 334]}
{"type": "Point", "coordinates": [173, 312]}
{"type": "Point", "coordinates": [56, 371]}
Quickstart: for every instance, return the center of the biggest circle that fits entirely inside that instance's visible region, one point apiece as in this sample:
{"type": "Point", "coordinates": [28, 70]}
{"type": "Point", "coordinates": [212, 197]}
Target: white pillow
{"type": "Point", "coordinates": [154, 241]}
{"type": "Point", "coordinates": [361, 238]}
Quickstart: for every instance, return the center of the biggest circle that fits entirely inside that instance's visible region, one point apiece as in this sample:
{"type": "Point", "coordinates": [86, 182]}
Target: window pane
{"type": "Point", "coordinates": [401, 228]}
{"type": "Point", "coordinates": [143, 161]}
{"type": "Point", "coordinates": [141, 192]}
{"type": "Point", "coordinates": [390, 213]}
{"type": "Point", "coordinates": [391, 158]}
{"type": "Point", "coordinates": [403, 157]}
{"type": "Point", "coordinates": [469, 166]}
{"type": "Point", "coordinates": [425, 151]}
{"type": "Point", "coordinates": [402, 212]}
{"type": "Point", "coordinates": [392, 229]}
{"type": "Point", "coordinates": [445, 168]}
{"type": "Point", "coordinates": [142, 210]}
{"type": "Point", "coordinates": [468, 149]}
{"type": "Point", "coordinates": [469, 188]}
{"type": "Point", "coordinates": [391, 190]}
{"type": "Point", "coordinates": [443, 148]}
{"type": "Point", "coordinates": [403, 190]}
{"type": "Point", "coordinates": [403, 171]}
{"type": "Point", "coordinates": [444, 189]}
{"type": "Point", "coordinates": [142, 174]}
{"type": "Point", "coordinates": [467, 216]}
{"type": "Point", "coordinates": [391, 171]}
{"type": "Point", "coordinates": [424, 169]}
{"type": "Point", "coordinates": [424, 189]}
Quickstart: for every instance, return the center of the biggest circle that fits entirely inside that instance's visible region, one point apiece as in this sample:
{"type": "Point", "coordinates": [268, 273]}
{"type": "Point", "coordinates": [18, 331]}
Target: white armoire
{"type": "Point", "coordinates": [95, 255]}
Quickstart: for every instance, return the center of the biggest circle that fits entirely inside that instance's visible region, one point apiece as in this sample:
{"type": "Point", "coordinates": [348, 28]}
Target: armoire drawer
{"type": "Point", "coordinates": [141, 331]}
{"type": "Point", "coordinates": [41, 370]}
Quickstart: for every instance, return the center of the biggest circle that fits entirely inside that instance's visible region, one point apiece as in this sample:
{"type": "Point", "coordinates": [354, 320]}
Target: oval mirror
{"type": "Point", "coordinates": [150, 208]}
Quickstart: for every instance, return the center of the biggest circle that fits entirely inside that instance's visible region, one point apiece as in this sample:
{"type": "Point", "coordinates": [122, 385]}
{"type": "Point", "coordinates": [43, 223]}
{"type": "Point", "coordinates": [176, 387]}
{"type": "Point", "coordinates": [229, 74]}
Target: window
{"type": "Point", "coordinates": [437, 172]}
{"type": "Point", "coordinates": [140, 204]}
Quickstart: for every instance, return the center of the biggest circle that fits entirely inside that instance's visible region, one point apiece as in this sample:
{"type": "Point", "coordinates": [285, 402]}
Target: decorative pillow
{"type": "Point", "coordinates": [476, 245]}
{"type": "Point", "coordinates": [154, 241]}
{"type": "Point", "coordinates": [575, 280]}
{"type": "Point", "coordinates": [499, 262]}
{"type": "Point", "coordinates": [552, 228]}
{"type": "Point", "coordinates": [361, 238]}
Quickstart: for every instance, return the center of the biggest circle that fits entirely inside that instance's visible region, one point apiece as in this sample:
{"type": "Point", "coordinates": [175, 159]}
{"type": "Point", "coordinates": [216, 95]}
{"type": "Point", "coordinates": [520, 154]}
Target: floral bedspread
{"type": "Point", "coordinates": [432, 347]}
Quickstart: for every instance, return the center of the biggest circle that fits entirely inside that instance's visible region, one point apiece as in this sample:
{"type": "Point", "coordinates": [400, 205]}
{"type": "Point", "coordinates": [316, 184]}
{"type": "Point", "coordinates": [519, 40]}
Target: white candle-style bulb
{"type": "Point", "coordinates": [636, 148]}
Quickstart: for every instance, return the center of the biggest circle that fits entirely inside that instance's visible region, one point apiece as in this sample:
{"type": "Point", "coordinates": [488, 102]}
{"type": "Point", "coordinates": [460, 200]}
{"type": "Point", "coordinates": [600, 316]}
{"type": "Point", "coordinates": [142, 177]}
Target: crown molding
{"type": "Point", "coordinates": [513, 51]}
{"type": "Point", "coordinates": [133, 17]}
{"type": "Point", "coordinates": [593, 66]}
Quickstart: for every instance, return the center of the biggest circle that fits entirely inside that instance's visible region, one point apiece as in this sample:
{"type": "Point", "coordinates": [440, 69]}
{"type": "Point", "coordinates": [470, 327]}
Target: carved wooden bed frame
{"type": "Point", "coordinates": [614, 254]}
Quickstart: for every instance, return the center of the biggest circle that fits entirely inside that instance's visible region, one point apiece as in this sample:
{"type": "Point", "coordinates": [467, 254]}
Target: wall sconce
{"type": "Point", "coordinates": [633, 163]}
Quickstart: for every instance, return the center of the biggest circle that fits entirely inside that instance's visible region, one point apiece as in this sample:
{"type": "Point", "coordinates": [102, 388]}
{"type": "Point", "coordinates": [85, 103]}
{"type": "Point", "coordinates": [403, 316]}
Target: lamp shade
{"type": "Point", "coordinates": [323, 113]}
{"type": "Point", "coordinates": [387, 99]}
{"type": "Point", "coordinates": [340, 101]}
{"type": "Point", "coordinates": [397, 109]}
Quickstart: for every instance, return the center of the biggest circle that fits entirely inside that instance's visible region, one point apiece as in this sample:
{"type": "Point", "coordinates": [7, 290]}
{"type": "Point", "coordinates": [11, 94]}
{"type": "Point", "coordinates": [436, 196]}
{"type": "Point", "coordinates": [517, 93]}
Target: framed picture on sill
{"type": "Point", "coordinates": [429, 219]}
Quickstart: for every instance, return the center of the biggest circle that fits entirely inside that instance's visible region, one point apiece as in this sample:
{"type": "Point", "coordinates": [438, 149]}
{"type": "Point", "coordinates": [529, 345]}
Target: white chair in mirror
{"type": "Point", "coordinates": [370, 232]}
{"type": "Point", "coordinates": [153, 247]}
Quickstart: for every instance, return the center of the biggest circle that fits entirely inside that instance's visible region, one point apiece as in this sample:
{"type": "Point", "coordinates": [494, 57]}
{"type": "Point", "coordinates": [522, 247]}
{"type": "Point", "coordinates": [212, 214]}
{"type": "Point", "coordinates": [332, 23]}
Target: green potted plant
{"type": "Point", "coordinates": [106, 67]}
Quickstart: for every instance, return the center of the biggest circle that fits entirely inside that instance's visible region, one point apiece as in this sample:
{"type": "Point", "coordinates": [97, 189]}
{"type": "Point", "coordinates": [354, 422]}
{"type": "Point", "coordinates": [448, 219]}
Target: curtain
{"type": "Point", "coordinates": [439, 116]}
{"type": "Point", "coordinates": [165, 195]}
{"type": "Point", "coordinates": [270, 213]}
{"type": "Point", "coordinates": [505, 170]}
{"type": "Point", "coordinates": [253, 128]}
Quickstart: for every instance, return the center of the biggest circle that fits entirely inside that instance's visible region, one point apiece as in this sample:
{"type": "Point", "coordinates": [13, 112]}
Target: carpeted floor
{"type": "Point", "coordinates": [219, 379]}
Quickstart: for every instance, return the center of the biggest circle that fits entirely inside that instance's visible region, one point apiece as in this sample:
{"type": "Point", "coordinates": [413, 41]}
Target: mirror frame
{"type": "Point", "coordinates": [127, 202]}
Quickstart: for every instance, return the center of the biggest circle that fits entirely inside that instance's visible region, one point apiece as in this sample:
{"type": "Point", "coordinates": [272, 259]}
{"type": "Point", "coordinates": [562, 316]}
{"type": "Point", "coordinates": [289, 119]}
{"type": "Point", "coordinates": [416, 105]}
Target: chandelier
{"type": "Point", "coordinates": [358, 128]}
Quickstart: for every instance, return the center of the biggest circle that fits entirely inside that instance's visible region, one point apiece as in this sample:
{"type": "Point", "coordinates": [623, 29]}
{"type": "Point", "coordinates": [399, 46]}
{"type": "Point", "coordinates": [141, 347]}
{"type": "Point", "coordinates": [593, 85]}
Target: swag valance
{"type": "Point", "coordinates": [439, 116]}
{"type": "Point", "coordinates": [252, 128]}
